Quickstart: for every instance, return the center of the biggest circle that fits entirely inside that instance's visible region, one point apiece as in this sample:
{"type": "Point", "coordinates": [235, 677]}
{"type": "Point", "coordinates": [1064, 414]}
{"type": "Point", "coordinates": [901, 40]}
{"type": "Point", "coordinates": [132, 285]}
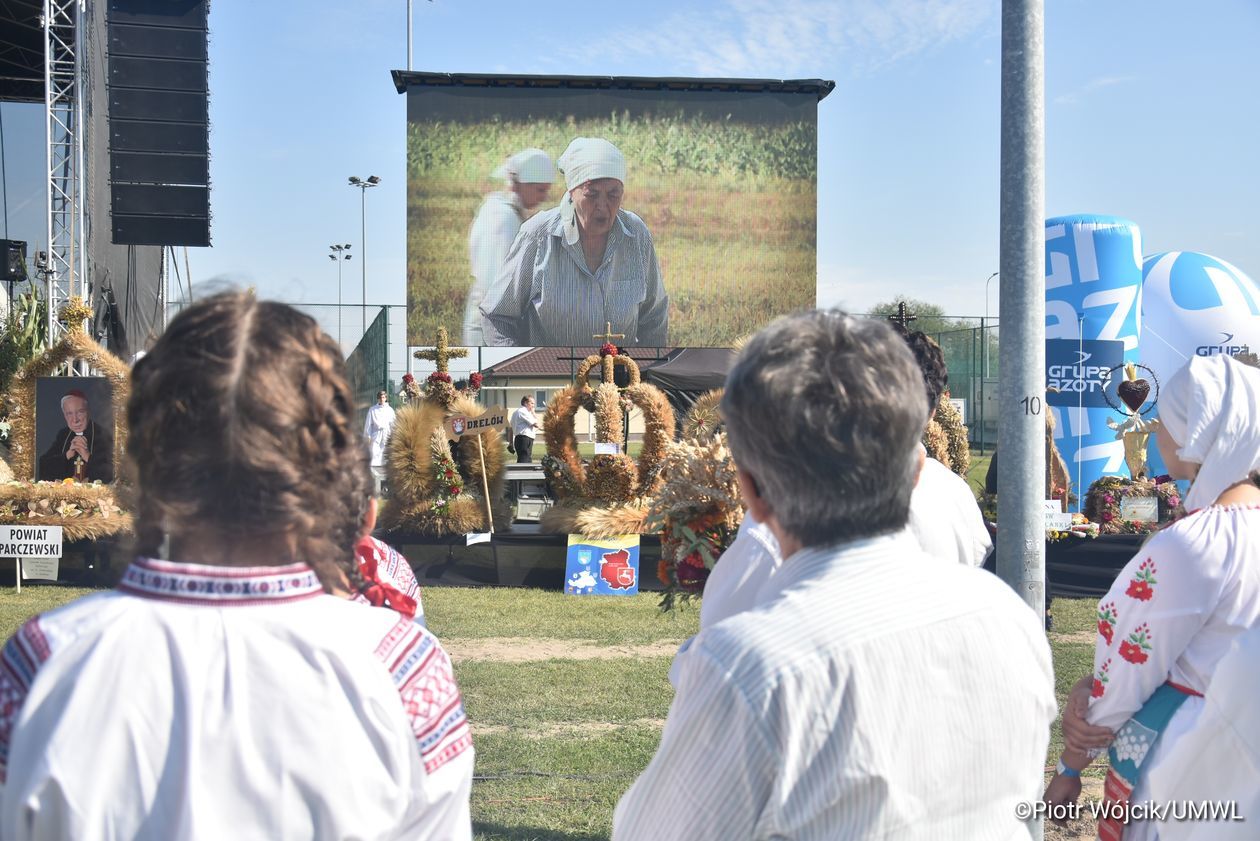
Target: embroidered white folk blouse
{"type": "Point", "coordinates": [874, 692]}
{"type": "Point", "coordinates": [199, 702]}
{"type": "Point", "coordinates": [1174, 611]}
{"type": "Point", "coordinates": [1219, 758]}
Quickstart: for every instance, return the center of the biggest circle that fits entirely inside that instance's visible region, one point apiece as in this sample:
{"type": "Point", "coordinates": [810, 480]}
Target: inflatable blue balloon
{"type": "Point", "coordinates": [1093, 325]}
{"type": "Point", "coordinates": [1194, 305]}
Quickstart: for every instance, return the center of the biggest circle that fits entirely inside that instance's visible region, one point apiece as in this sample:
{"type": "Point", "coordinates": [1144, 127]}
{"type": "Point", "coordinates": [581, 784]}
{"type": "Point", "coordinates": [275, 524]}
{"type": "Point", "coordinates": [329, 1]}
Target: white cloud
{"type": "Point", "coordinates": [1096, 84]}
{"type": "Point", "coordinates": [791, 38]}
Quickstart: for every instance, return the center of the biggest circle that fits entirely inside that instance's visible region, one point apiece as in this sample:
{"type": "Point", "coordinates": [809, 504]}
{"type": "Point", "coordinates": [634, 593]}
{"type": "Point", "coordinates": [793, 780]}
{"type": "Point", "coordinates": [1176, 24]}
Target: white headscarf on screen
{"type": "Point", "coordinates": [1211, 407]}
{"type": "Point", "coordinates": [586, 159]}
{"type": "Point", "coordinates": [528, 166]}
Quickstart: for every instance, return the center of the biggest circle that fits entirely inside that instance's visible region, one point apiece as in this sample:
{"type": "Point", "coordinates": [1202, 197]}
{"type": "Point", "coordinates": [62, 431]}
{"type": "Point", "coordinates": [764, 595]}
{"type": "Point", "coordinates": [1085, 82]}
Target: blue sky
{"type": "Point", "coordinates": [1151, 115]}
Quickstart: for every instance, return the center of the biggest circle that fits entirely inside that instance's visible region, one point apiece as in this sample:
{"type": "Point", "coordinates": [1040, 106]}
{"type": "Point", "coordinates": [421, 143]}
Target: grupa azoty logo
{"type": "Point", "coordinates": [1195, 305]}
{"type": "Point", "coordinates": [1078, 376]}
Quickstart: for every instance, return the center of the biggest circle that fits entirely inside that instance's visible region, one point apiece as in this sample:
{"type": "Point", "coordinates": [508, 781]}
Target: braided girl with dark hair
{"type": "Point", "coordinates": [255, 454]}
{"type": "Point", "coordinates": [232, 677]}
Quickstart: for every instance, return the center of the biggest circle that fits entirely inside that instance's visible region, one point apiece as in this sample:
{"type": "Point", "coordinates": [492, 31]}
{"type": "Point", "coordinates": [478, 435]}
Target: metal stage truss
{"type": "Point", "coordinates": [65, 270]}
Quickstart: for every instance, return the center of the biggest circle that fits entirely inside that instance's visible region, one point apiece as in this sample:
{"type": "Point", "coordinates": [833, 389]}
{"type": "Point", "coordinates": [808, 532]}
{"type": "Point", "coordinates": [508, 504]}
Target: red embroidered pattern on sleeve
{"type": "Point", "coordinates": [21, 658]}
{"type": "Point", "coordinates": [1107, 619]}
{"type": "Point", "coordinates": [1136, 649]}
{"type": "Point", "coordinates": [1142, 587]}
{"type": "Point", "coordinates": [426, 684]}
{"type": "Point", "coordinates": [1100, 680]}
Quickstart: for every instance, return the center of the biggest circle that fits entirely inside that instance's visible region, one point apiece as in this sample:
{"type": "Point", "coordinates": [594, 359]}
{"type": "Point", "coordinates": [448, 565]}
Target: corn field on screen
{"type": "Point", "coordinates": [569, 217]}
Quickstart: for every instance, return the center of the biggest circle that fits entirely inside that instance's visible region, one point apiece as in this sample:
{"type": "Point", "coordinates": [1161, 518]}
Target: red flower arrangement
{"type": "Point", "coordinates": [474, 381]}
{"type": "Point", "coordinates": [608, 349]}
{"type": "Point", "coordinates": [438, 377]}
{"type": "Point", "coordinates": [694, 548]}
{"type": "Point", "coordinates": [408, 380]}
{"type": "Point", "coordinates": [1103, 503]}
{"type": "Point", "coordinates": [448, 486]}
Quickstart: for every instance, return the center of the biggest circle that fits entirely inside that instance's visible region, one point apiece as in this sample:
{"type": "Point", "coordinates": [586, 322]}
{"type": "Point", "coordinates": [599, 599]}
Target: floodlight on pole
{"type": "Point", "coordinates": [339, 254]}
{"type": "Point", "coordinates": [372, 181]}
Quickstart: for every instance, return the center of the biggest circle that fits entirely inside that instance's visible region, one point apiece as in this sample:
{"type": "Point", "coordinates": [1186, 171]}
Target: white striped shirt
{"type": "Point", "coordinates": [546, 295]}
{"type": "Point", "coordinates": [873, 693]}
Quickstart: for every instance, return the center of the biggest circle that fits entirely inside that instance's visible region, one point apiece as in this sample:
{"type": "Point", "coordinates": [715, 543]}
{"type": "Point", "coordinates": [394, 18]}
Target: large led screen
{"type": "Point", "coordinates": [549, 216]}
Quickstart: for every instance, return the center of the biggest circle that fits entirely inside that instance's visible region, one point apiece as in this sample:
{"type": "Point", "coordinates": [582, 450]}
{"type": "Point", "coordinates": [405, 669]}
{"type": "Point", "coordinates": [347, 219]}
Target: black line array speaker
{"type": "Point", "coordinates": [159, 122]}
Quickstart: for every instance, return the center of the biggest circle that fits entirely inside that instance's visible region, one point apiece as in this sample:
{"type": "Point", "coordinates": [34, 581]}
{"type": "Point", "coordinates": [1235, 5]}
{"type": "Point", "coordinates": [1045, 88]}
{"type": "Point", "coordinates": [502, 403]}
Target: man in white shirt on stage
{"type": "Point", "coordinates": [872, 692]}
{"type": "Point", "coordinates": [379, 423]}
{"type": "Point", "coordinates": [525, 427]}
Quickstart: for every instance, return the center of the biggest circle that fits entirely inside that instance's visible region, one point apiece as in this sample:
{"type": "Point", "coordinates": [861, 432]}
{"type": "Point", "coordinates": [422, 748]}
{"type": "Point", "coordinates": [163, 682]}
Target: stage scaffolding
{"type": "Point", "coordinates": [65, 268]}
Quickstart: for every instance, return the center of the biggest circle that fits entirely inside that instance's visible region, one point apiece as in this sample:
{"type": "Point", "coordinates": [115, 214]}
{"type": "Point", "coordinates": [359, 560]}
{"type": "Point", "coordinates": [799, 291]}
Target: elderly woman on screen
{"type": "Point", "coordinates": [1177, 608]}
{"type": "Point", "coordinates": [581, 266]}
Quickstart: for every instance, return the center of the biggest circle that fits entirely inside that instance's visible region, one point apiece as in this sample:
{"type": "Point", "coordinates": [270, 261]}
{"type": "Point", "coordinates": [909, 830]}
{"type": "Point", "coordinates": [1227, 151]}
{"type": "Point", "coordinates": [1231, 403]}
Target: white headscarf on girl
{"type": "Point", "coordinates": [586, 159]}
{"type": "Point", "coordinates": [1211, 407]}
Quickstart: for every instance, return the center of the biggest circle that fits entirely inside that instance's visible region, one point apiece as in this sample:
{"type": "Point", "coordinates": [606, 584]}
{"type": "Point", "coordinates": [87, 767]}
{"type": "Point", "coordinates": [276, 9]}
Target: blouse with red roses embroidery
{"type": "Point", "coordinates": [1175, 608]}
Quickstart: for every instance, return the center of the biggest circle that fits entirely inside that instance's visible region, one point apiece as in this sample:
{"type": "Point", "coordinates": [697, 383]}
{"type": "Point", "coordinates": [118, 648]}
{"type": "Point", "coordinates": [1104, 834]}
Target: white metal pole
{"type": "Point", "coordinates": [1022, 305]}
{"type": "Point", "coordinates": [363, 235]}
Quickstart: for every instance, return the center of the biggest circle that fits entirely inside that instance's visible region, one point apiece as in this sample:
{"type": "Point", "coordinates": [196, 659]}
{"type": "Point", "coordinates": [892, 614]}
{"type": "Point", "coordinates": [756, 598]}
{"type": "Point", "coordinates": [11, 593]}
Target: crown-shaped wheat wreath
{"type": "Point", "coordinates": [605, 496]}
{"type": "Point", "coordinates": [431, 491]}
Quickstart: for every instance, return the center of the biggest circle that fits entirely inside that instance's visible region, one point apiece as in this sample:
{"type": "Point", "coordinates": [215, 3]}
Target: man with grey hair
{"type": "Point", "coordinates": [871, 692]}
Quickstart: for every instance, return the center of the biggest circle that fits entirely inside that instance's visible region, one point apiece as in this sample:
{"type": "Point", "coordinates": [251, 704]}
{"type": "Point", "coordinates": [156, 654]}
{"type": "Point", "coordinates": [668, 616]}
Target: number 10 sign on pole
{"type": "Point", "coordinates": [35, 549]}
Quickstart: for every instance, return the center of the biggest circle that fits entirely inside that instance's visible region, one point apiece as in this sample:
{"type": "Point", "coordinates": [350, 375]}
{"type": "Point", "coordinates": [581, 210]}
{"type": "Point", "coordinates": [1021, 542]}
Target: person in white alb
{"type": "Point", "coordinates": [528, 176]}
{"type": "Point", "coordinates": [377, 426]}
{"type": "Point", "coordinates": [873, 692]}
{"type": "Point", "coordinates": [525, 428]}
{"type": "Point", "coordinates": [229, 694]}
{"type": "Point", "coordinates": [944, 516]}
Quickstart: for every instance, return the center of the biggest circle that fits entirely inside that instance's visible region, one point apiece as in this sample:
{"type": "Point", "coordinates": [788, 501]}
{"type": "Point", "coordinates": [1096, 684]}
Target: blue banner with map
{"type": "Point", "coordinates": [602, 567]}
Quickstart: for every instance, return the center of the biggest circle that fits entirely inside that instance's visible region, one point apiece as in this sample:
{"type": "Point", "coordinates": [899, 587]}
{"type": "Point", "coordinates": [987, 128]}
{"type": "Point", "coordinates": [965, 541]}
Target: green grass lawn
{"type": "Point", "coordinates": [560, 738]}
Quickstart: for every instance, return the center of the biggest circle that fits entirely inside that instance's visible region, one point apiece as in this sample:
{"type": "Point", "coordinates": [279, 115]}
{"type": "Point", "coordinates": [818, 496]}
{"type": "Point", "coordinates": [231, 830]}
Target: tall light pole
{"type": "Point", "coordinates": [984, 358]}
{"type": "Point", "coordinates": [985, 346]}
{"type": "Point", "coordinates": [339, 255]}
{"type": "Point", "coordinates": [363, 184]}
{"type": "Point", "coordinates": [1021, 538]}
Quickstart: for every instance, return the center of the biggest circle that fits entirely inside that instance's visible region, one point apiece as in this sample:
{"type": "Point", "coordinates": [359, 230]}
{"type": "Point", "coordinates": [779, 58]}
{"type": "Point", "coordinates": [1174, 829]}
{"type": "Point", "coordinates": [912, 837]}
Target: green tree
{"type": "Point", "coordinates": [25, 334]}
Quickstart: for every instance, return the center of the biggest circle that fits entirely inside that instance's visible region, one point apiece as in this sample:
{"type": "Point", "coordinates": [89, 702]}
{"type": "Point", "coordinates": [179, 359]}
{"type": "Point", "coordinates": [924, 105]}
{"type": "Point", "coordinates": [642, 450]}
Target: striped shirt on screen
{"type": "Point", "coordinates": [546, 295]}
{"type": "Point", "coordinates": [873, 693]}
